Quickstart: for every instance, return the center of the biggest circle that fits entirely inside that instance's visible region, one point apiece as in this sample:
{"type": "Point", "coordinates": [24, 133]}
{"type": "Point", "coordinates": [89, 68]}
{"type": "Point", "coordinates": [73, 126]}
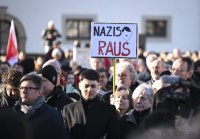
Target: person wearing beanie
{"type": "Point", "coordinates": [54, 63]}
{"type": "Point", "coordinates": [57, 66]}
{"type": "Point", "coordinates": [54, 96]}
{"type": "Point", "coordinates": [50, 74]}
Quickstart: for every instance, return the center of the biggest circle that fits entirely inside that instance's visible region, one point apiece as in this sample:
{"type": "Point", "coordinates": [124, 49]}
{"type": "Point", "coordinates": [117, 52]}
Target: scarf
{"type": "Point", "coordinates": [29, 110]}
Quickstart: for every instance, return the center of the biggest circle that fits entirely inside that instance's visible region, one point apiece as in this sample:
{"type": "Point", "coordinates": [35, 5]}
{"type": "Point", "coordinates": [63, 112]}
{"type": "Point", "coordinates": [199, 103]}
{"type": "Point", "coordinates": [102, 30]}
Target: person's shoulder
{"type": "Point", "coordinates": [163, 92]}
{"type": "Point", "coordinates": [106, 106]}
{"type": "Point", "coordinates": [62, 95]}
{"type": "Point", "coordinates": [47, 115]}
{"type": "Point", "coordinates": [195, 95]}
{"type": "Point", "coordinates": [46, 107]}
{"type": "Point", "coordinates": [129, 118]}
{"type": "Point", "coordinates": [49, 110]}
{"type": "Point", "coordinates": [71, 108]}
{"type": "Point", "coordinates": [72, 105]}
{"type": "Point", "coordinates": [66, 98]}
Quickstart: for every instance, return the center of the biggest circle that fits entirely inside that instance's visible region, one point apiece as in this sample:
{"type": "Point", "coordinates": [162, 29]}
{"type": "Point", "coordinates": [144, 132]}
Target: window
{"type": "Point", "coordinates": [157, 27]}
{"type": "Point", "coordinates": [76, 29]}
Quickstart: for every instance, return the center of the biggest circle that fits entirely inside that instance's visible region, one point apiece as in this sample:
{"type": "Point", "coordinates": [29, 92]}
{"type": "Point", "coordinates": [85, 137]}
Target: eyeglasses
{"type": "Point", "coordinates": [28, 88]}
{"type": "Point", "coordinates": [179, 70]}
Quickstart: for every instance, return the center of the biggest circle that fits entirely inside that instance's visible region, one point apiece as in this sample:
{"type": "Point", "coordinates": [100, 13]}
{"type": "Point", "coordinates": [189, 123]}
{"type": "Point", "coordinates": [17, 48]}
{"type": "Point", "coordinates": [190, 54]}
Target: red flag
{"type": "Point", "coordinates": [12, 51]}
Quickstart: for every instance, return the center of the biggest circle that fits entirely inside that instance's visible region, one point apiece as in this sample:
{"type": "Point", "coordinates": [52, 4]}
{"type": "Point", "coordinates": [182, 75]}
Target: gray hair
{"type": "Point", "coordinates": [146, 89]}
{"type": "Point", "coordinates": [130, 67]}
{"type": "Point", "coordinates": [149, 59]}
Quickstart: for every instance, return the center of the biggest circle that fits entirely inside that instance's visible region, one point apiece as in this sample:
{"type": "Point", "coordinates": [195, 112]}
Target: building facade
{"type": "Point", "coordinates": [177, 21]}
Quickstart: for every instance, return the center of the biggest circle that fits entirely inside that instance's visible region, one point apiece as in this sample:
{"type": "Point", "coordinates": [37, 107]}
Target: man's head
{"type": "Point", "coordinates": [156, 68]}
{"type": "Point", "coordinates": [56, 65]}
{"type": "Point", "coordinates": [96, 63]}
{"type": "Point", "coordinates": [11, 79]}
{"type": "Point", "coordinates": [70, 78]}
{"type": "Point", "coordinates": [183, 67]}
{"type": "Point", "coordinates": [125, 74]}
{"type": "Point", "coordinates": [56, 54]}
{"type": "Point", "coordinates": [89, 83]}
{"type": "Point", "coordinates": [49, 78]}
{"type": "Point", "coordinates": [50, 24]}
{"type": "Point", "coordinates": [3, 67]}
{"type": "Point", "coordinates": [149, 59]}
{"type": "Point", "coordinates": [103, 74]}
{"type": "Point", "coordinates": [121, 60]}
{"type": "Point", "coordinates": [30, 88]}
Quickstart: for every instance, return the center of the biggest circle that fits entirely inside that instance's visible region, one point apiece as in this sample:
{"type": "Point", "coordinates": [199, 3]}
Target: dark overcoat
{"type": "Point", "coordinates": [101, 121]}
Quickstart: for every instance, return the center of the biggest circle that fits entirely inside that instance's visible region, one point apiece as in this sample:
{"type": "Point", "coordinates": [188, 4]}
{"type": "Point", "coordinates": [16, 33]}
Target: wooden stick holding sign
{"type": "Point", "coordinates": [114, 74]}
{"type": "Point", "coordinates": [114, 40]}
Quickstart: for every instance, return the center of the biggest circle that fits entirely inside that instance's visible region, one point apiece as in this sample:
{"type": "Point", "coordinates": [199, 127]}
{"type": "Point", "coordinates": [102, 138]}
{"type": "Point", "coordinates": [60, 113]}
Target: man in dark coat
{"type": "Point", "coordinates": [9, 92]}
{"type": "Point", "coordinates": [182, 97]}
{"type": "Point", "coordinates": [54, 95]}
{"type": "Point", "coordinates": [195, 79]}
{"type": "Point", "coordinates": [44, 121]}
{"type": "Point", "coordinates": [89, 118]}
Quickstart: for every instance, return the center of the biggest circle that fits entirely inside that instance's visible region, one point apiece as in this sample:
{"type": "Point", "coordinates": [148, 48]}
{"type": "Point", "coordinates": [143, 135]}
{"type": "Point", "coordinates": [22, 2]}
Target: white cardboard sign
{"type": "Point", "coordinates": [115, 40]}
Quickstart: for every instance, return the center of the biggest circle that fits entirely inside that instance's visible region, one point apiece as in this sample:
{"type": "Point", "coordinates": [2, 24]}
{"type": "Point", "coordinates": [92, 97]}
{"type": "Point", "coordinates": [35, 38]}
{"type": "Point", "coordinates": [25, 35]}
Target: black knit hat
{"type": "Point", "coordinates": [49, 72]}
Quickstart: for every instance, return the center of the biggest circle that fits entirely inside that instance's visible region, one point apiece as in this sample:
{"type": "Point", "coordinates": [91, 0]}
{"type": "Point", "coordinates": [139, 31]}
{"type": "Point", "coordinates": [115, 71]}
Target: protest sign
{"type": "Point", "coordinates": [114, 40]}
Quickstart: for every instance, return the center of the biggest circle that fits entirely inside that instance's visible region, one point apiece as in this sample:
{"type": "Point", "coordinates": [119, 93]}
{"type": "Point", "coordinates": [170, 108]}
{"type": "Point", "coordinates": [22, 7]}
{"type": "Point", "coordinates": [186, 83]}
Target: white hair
{"type": "Point", "coordinates": [145, 89]}
{"type": "Point", "coordinates": [56, 53]}
{"type": "Point", "coordinates": [130, 67]}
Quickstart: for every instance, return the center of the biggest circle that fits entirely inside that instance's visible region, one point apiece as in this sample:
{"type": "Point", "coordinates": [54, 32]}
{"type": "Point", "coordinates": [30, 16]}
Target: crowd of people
{"type": "Point", "coordinates": [154, 96]}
